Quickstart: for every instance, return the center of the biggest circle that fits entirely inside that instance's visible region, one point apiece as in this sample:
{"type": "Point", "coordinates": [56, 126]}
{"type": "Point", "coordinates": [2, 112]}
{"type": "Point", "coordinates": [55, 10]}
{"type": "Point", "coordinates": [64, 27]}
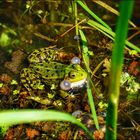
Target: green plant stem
{"type": "Point", "coordinates": [116, 68]}
{"type": "Point", "coordinates": [92, 14]}
{"type": "Point", "coordinates": [92, 106]}
{"type": "Point", "coordinates": [76, 23]}
{"type": "Point", "coordinates": [110, 34]}
{"type": "Point", "coordinates": [90, 84]}
{"type": "Point", "coordinates": [75, 15]}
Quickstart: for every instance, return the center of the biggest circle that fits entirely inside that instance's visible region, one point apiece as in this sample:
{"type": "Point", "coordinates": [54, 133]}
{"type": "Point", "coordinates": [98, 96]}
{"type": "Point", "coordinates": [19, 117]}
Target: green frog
{"type": "Point", "coordinates": [46, 70]}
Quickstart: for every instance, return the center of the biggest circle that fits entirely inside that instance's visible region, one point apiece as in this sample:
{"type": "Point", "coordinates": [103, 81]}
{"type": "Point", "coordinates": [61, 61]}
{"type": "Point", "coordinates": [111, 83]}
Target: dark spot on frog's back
{"type": "Point", "coordinates": [33, 54]}
{"type": "Point", "coordinates": [56, 67]}
{"type": "Point", "coordinates": [38, 55]}
{"type": "Point", "coordinates": [27, 74]}
{"type": "Point", "coordinates": [52, 75]}
{"type": "Point", "coordinates": [41, 64]}
{"type": "Point", "coordinates": [49, 56]}
{"type": "Point", "coordinates": [44, 49]}
{"type": "Point", "coordinates": [37, 69]}
{"type": "Point", "coordinates": [24, 72]}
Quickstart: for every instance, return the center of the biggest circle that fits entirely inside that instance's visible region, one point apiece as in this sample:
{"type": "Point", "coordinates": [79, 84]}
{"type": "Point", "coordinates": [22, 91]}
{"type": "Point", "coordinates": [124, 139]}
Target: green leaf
{"type": "Point", "coordinates": [5, 40]}
{"type": "Point", "coordinates": [92, 14]}
{"type": "Point", "coordinates": [13, 117]}
{"type": "Point", "coordinates": [16, 92]}
{"type": "Point", "coordinates": [14, 82]}
{"type": "Point", "coordinates": [1, 85]}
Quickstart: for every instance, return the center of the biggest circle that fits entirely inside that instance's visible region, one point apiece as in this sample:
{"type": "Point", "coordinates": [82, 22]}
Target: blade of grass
{"type": "Point", "coordinates": [116, 68]}
{"type": "Point", "coordinates": [13, 117]}
{"type": "Point", "coordinates": [110, 34]}
{"type": "Point", "coordinates": [101, 29]}
{"type": "Point", "coordinates": [112, 10]}
{"type": "Point", "coordinates": [89, 91]}
{"type": "Point", "coordinates": [92, 14]}
{"type": "Point", "coordinates": [85, 50]}
{"type": "Point", "coordinates": [76, 23]}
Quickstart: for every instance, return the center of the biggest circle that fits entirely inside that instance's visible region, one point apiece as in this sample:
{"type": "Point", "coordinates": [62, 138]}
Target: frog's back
{"type": "Point", "coordinates": [50, 71]}
{"type": "Point", "coordinates": [43, 55]}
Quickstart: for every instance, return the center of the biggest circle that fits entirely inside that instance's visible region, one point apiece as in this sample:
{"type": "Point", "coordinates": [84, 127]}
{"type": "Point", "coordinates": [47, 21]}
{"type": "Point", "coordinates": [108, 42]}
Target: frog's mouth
{"type": "Point", "coordinates": [67, 85]}
{"type": "Point", "coordinates": [78, 84]}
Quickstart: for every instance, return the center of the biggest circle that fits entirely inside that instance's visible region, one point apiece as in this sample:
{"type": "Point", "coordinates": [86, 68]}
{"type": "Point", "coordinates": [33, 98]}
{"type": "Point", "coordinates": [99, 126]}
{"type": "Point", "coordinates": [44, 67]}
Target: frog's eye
{"type": "Point", "coordinates": [75, 60]}
{"type": "Point", "coordinates": [65, 85]}
{"type": "Point", "coordinates": [72, 75]}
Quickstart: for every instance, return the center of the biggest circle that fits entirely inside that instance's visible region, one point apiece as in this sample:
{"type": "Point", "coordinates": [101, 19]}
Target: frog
{"type": "Point", "coordinates": [47, 70]}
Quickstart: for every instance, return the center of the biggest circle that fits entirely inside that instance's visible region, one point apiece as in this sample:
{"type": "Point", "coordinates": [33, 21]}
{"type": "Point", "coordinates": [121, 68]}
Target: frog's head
{"type": "Point", "coordinates": [75, 77]}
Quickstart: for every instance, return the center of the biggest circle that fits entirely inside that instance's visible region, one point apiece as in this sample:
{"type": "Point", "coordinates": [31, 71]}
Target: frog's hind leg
{"type": "Point", "coordinates": [30, 80]}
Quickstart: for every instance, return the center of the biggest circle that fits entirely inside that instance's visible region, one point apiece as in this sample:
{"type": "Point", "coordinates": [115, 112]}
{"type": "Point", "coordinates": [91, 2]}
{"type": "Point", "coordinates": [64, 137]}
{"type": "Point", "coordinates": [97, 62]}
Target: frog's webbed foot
{"type": "Point", "coordinates": [30, 80]}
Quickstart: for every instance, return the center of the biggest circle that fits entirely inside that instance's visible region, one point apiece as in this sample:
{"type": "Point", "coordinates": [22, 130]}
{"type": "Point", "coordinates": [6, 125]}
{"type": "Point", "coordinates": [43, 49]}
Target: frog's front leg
{"type": "Point", "coordinates": [47, 101]}
{"type": "Point", "coordinates": [30, 80]}
{"type": "Point", "coordinates": [66, 95]}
